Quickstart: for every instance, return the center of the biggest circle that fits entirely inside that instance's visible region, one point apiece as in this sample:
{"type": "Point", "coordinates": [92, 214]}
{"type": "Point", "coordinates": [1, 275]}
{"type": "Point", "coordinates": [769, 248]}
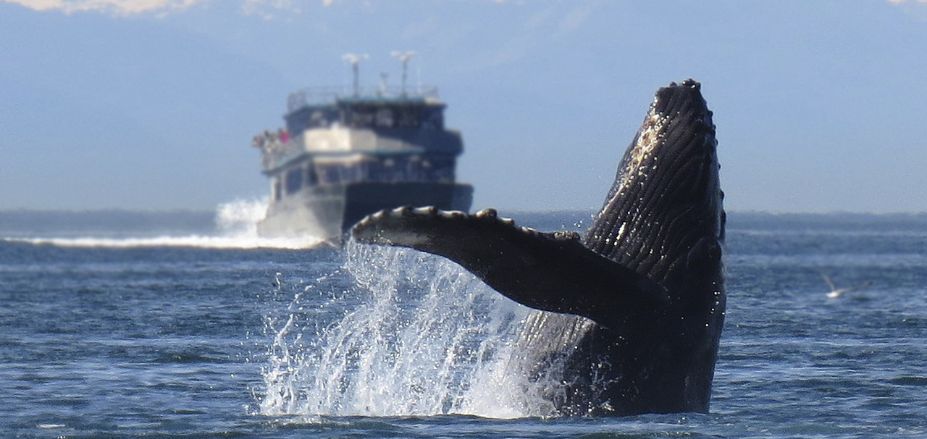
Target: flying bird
{"type": "Point", "coordinates": [835, 292]}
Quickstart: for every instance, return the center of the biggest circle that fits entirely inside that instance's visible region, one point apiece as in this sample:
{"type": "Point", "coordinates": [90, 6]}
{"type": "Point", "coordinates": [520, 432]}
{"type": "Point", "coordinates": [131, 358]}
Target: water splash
{"type": "Point", "coordinates": [410, 334]}
{"type": "Point", "coordinates": [240, 217]}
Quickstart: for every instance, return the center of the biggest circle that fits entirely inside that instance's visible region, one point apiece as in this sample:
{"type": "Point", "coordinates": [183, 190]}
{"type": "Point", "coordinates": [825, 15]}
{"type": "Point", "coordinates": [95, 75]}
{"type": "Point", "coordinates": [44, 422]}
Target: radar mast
{"type": "Point", "coordinates": [404, 57]}
{"type": "Point", "coordinates": [354, 60]}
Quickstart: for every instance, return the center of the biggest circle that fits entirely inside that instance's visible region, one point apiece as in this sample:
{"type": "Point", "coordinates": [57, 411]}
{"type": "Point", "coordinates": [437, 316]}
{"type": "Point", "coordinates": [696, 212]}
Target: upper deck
{"type": "Point", "coordinates": [335, 122]}
{"type": "Point", "coordinates": [323, 96]}
{"type": "Point", "coordinates": [381, 109]}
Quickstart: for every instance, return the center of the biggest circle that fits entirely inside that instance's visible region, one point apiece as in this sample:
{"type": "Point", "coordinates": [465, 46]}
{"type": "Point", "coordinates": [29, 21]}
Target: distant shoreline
{"type": "Point", "coordinates": [200, 213]}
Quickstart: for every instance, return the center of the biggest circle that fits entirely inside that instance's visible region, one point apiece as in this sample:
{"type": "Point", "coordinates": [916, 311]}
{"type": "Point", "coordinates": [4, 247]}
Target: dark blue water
{"type": "Point", "coordinates": [175, 337]}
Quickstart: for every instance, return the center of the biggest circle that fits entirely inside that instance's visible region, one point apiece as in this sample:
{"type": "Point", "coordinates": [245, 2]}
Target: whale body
{"type": "Point", "coordinates": [636, 306]}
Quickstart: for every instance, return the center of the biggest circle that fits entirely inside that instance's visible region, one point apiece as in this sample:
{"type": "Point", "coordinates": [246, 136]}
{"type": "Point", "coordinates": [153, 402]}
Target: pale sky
{"type": "Point", "coordinates": [151, 104]}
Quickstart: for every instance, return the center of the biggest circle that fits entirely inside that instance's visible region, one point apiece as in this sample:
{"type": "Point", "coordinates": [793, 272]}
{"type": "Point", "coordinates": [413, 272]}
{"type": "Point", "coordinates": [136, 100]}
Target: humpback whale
{"type": "Point", "coordinates": [636, 306]}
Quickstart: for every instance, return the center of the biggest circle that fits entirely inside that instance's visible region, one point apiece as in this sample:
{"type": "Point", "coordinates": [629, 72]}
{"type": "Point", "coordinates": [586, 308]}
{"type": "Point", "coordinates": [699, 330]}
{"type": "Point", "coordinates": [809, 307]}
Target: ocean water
{"type": "Point", "coordinates": [185, 324]}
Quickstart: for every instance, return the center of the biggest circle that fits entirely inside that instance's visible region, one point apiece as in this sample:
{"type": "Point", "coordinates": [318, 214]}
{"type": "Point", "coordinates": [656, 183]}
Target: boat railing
{"type": "Point", "coordinates": [329, 95]}
{"type": "Point", "coordinates": [276, 153]}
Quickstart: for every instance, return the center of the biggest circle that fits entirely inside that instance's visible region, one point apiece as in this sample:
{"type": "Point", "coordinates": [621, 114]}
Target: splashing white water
{"type": "Point", "coordinates": [240, 217]}
{"type": "Point", "coordinates": [415, 335]}
{"type": "Point", "coordinates": [236, 228]}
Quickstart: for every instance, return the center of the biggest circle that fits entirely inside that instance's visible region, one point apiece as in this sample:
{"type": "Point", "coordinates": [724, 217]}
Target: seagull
{"type": "Point", "coordinates": [837, 292]}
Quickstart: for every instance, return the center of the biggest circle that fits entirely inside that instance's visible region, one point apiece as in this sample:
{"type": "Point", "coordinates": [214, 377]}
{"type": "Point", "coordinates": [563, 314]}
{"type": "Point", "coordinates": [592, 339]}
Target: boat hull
{"type": "Point", "coordinates": [328, 211]}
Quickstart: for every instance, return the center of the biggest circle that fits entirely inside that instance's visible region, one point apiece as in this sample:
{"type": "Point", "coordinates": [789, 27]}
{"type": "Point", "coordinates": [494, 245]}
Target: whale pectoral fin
{"type": "Point", "coordinates": [546, 271]}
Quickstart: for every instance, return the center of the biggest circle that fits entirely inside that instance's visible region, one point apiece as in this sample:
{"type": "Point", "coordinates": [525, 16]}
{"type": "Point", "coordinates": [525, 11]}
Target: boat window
{"type": "Point", "coordinates": [433, 119]}
{"type": "Point", "coordinates": [294, 180]}
{"type": "Point", "coordinates": [347, 173]}
{"type": "Point", "coordinates": [311, 178]}
{"type": "Point", "coordinates": [363, 171]}
{"type": "Point", "coordinates": [328, 174]}
{"type": "Point", "coordinates": [359, 119]}
{"type": "Point", "coordinates": [409, 118]}
{"type": "Point", "coordinates": [385, 118]}
{"type": "Point", "coordinates": [317, 119]}
{"type": "Point", "coordinates": [440, 169]}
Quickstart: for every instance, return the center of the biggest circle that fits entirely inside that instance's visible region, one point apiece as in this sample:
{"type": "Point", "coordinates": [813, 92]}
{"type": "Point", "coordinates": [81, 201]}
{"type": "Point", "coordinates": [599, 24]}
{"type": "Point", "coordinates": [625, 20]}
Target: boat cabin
{"type": "Point", "coordinates": [331, 139]}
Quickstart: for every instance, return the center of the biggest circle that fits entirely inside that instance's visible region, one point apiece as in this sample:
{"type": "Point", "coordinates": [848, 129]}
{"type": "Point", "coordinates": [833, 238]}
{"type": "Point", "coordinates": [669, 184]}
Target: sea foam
{"type": "Point", "coordinates": [235, 227]}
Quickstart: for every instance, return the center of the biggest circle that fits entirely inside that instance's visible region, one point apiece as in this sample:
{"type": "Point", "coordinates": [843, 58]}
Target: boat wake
{"type": "Point", "coordinates": [397, 333]}
{"type": "Point", "coordinates": [235, 227]}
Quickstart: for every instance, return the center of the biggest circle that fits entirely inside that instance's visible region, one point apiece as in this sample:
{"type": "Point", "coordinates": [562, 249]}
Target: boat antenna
{"type": "Point", "coordinates": [354, 60]}
{"type": "Point", "coordinates": [384, 87]}
{"type": "Point", "coordinates": [404, 57]}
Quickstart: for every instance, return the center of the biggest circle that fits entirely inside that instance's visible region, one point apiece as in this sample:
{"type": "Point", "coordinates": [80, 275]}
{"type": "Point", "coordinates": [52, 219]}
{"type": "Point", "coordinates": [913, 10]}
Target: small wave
{"type": "Point", "coordinates": [236, 228]}
{"type": "Point", "coordinates": [199, 241]}
{"type": "Point", "coordinates": [187, 358]}
{"type": "Point", "coordinates": [909, 381]}
{"type": "Point", "coordinates": [50, 426]}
